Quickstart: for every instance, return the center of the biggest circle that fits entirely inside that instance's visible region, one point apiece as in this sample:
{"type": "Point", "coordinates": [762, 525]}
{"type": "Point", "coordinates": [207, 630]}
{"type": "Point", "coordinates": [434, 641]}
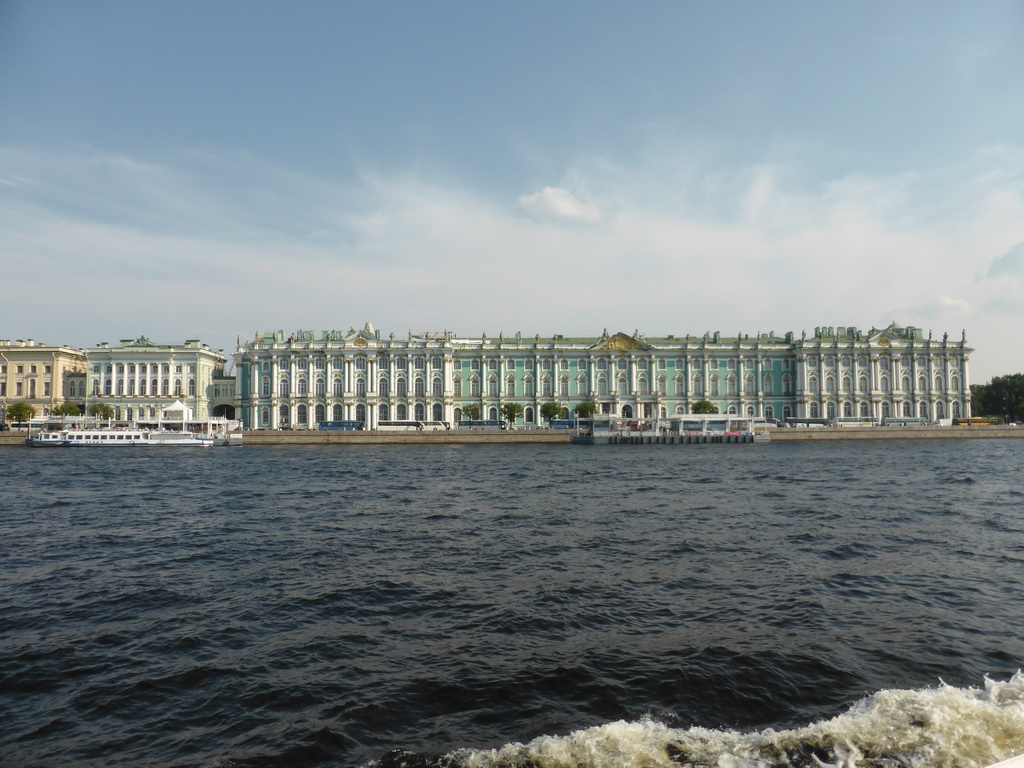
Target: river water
{"type": "Point", "coordinates": [847, 604]}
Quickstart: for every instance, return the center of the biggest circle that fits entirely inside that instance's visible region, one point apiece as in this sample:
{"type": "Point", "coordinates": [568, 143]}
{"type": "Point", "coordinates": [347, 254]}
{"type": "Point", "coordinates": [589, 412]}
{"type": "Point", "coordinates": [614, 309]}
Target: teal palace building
{"type": "Point", "coordinates": [294, 381]}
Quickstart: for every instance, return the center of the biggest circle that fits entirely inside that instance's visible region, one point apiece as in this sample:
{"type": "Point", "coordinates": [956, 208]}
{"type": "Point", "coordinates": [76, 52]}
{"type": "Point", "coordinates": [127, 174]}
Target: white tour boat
{"type": "Point", "coordinates": [119, 437]}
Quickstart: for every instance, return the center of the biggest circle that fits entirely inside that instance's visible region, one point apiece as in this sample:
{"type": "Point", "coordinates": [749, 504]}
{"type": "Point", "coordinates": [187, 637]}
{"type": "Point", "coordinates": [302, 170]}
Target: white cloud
{"type": "Point", "coordinates": [208, 246]}
{"type": "Point", "coordinates": [555, 205]}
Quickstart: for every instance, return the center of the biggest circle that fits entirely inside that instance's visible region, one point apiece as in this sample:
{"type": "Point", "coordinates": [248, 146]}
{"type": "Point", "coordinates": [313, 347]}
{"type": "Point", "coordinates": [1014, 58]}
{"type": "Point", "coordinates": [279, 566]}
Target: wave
{"type": "Point", "coordinates": [941, 727]}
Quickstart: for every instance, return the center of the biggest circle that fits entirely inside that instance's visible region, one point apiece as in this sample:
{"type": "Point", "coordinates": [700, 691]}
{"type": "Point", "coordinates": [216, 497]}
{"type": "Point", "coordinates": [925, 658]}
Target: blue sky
{"type": "Point", "coordinates": [215, 169]}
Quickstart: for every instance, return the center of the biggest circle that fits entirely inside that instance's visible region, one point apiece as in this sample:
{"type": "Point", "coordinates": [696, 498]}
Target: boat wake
{"type": "Point", "coordinates": [942, 727]}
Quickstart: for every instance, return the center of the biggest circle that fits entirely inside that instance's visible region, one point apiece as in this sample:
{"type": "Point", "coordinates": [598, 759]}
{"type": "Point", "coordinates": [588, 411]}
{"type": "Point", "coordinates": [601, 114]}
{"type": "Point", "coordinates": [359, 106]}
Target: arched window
{"type": "Point", "coordinates": [154, 386]}
{"type": "Point", "coordinates": [402, 389]}
{"type": "Point", "coordinates": [339, 386]}
{"type": "Point", "coordinates": [360, 387]}
{"type": "Point", "coordinates": [922, 383]}
{"type": "Point", "coordinates": [662, 386]}
{"type": "Point", "coordinates": [643, 386]}
{"type": "Point", "coordinates": [383, 412]}
{"type": "Point", "coordinates": [301, 415]}
{"type": "Point", "coordinates": [908, 410]}
{"type": "Point", "coordinates": [382, 387]}
{"type": "Point", "coordinates": [438, 412]}
{"type": "Point", "coordinates": [884, 384]}
{"type": "Point", "coordinates": [713, 389]}
{"type": "Point", "coordinates": [750, 411]}
{"type": "Point", "coordinates": [623, 386]}
{"type": "Point", "coordinates": [814, 411]}
{"type": "Point", "coordinates": [602, 387]}
{"type": "Point", "coordinates": [528, 388]}
{"type": "Point", "coordinates": [419, 387]}
{"type": "Point", "coordinates": [787, 411]}
{"type": "Point", "coordinates": [319, 413]}
{"type": "Point", "coordinates": [283, 415]}
{"type": "Point", "coordinates": [474, 387]}
{"type": "Point", "coordinates": [940, 410]}
{"type": "Point", "coordinates": [284, 389]}
{"type": "Point", "coordinates": [437, 387]}
{"type": "Point", "coordinates": [847, 409]}
{"type": "Point", "coordinates": [528, 415]}
{"type": "Point", "coordinates": [885, 410]}
{"type": "Point", "coordinates": [680, 385]}
{"type": "Point", "coordinates": [787, 385]}
{"type": "Point", "coordinates": [956, 409]}
{"type": "Point", "coordinates": [954, 383]}
{"type": "Point", "coordinates": [492, 386]}
{"type": "Point", "coordinates": [864, 410]}
{"type": "Point", "coordinates": [336, 412]}
{"type": "Point", "coordinates": [302, 388]}
{"type": "Point", "coordinates": [457, 387]}
{"type": "Point", "coordinates": [563, 387]}
{"type": "Point", "coordinates": [321, 387]}
{"type": "Point", "coordinates": [546, 387]}
{"type": "Point", "coordinates": [265, 416]}
{"type": "Point", "coordinates": [361, 412]}
{"type": "Point", "coordinates": [401, 412]}
{"type": "Point", "coordinates": [812, 384]}
{"type": "Point", "coordinates": [922, 410]}
{"type": "Point", "coordinates": [862, 385]}
{"type": "Point", "coordinates": [420, 411]}
{"type": "Point", "coordinates": [492, 414]}
{"type": "Point", "coordinates": [730, 385]}
{"type": "Point", "coordinates": [769, 385]}
{"type": "Point", "coordinates": [769, 412]}
{"type": "Point", "coordinates": [732, 409]}
{"type": "Point", "coordinates": [830, 385]}
{"type": "Point", "coordinates": [906, 384]}
{"type": "Point", "coordinates": [938, 387]}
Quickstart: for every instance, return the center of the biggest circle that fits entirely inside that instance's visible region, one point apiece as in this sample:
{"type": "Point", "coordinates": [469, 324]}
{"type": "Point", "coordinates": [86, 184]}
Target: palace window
{"type": "Point", "coordinates": [510, 387]}
{"type": "Point", "coordinates": [383, 412]}
{"type": "Point", "coordinates": [510, 365]}
{"type": "Point", "coordinates": [457, 387]}
{"type": "Point", "coordinates": [680, 385]}
{"type": "Point", "coordinates": [437, 387]}
{"type": "Point", "coordinates": [813, 411]}
{"type": "Point", "coordinates": [492, 387]}
{"type": "Point", "coordinates": [401, 412]}
{"type": "Point", "coordinates": [474, 387]}
{"type": "Point", "coordinates": [730, 385]}
{"type": "Point", "coordinates": [768, 384]}
{"type": "Point", "coordinates": [438, 412]}
{"type": "Point", "coordinates": [301, 388]}
{"type": "Point", "coordinates": [864, 410]}
{"type": "Point", "coordinates": [602, 386]}
{"type": "Point", "coordinates": [420, 412]}
{"type": "Point", "coordinates": [662, 386]}
{"type": "Point", "coordinates": [862, 385]}
{"type": "Point", "coordinates": [319, 413]}
{"type": "Point", "coordinates": [321, 387]}
{"type": "Point", "coordinates": [191, 387]}
{"type": "Point", "coordinates": [419, 387]}
{"type": "Point", "coordinates": [437, 363]}
{"type": "Point", "coordinates": [749, 385]}
{"type": "Point", "coordinates": [528, 415]}
{"type": "Point", "coordinates": [563, 387]}
{"type": "Point", "coordinates": [360, 363]}
{"type": "Point", "coordinates": [402, 388]}
{"type": "Point", "coordinates": [546, 385]}
{"type": "Point", "coordinates": [360, 387]}
{"type": "Point", "coordinates": [338, 387]}
{"type": "Point", "coordinates": [529, 389]}
{"type": "Point", "coordinates": [382, 386]}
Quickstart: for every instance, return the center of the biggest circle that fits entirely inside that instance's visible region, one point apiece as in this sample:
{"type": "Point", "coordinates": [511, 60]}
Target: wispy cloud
{"type": "Point", "coordinates": [213, 245]}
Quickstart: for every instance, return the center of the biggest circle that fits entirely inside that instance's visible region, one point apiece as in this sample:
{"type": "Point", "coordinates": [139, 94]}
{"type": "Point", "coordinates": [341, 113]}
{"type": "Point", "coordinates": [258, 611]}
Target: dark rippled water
{"type": "Point", "coordinates": [756, 605]}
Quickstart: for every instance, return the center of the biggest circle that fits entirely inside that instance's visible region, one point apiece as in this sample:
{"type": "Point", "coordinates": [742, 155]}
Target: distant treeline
{"type": "Point", "coordinates": [1003, 396]}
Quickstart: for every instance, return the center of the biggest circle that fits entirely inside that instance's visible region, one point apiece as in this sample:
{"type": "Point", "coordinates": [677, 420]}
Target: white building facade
{"type": "Point", "coordinates": [298, 380]}
{"type": "Point", "coordinates": [140, 378]}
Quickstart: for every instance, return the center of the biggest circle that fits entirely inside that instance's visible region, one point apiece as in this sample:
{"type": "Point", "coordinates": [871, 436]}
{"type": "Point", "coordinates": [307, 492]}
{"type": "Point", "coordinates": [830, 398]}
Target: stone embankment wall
{"type": "Point", "coordinates": [786, 434]}
{"type": "Point", "coordinates": [440, 437]}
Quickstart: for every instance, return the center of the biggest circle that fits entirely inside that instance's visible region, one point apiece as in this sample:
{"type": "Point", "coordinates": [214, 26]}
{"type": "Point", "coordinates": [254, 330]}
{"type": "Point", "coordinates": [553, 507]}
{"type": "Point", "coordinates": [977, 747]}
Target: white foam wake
{"type": "Point", "coordinates": [942, 727]}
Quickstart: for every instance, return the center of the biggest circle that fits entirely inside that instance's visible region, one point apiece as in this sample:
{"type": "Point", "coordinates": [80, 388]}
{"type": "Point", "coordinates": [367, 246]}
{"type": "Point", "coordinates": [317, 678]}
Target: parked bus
{"type": "Point", "coordinates": [483, 424]}
{"type": "Point", "coordinates": [855, 421]}
{"type": "Point", "coordinates": [412, 426]}
{"type": "Point", "coordinates": [905, 421]}
{"type": "Point", "coordinates": [566, 424]}
{"type": "Point", "coordinates": [341, 426]}
{"type": "Point", "coordinates": [978, 421]}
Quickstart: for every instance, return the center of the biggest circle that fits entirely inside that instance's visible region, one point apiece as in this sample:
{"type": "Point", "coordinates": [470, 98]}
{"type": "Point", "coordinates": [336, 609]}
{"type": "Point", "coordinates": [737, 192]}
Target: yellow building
{"type": "Point", "coordinates": [40, 375]}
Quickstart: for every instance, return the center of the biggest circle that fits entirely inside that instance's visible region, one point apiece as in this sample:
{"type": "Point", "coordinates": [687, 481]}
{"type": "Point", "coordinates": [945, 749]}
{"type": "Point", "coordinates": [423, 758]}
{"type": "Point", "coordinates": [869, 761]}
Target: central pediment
{"type": "Point", "coordinates": [620, 342]}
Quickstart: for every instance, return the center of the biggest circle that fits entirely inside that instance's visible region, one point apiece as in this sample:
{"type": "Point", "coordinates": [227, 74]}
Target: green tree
{"type": "Point", "coordinates": [510, 412]}
{"type": "Point", "coordinates": [101, 411]}
{"type": "Point", "coordinates": [20, 412]}
{"type": "Point", "coordinates": [586, 410]}
{"type": "Point", "coordinates": [471, 411]}
{"type": "Point", "coordinates": [704, 406]}
{"type": "Point", "coordinates": [67, 409]}
{"type": "Point", "coordinates": [1003, 396]}
{"type": "Point", "coordinates": [551, 411]}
